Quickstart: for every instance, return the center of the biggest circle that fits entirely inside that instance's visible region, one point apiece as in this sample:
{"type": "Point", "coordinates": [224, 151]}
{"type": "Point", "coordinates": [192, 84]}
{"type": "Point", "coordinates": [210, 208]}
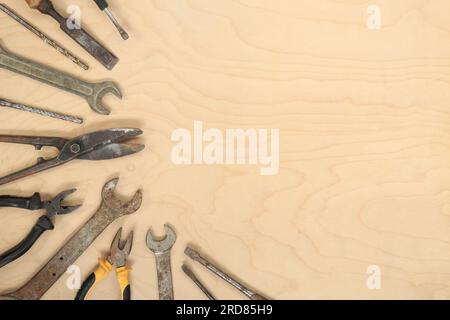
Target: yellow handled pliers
{"type": "Point", "coordinates": [117, 258]}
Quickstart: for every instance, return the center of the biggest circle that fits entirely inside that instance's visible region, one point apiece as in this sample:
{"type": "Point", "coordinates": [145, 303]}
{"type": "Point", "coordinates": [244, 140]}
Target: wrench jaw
{"type": "Point", "coordinates": [116, 206]}
{"type": "Point", "coordinates": [99, 91]}
{"type": "Point", "coordinates": [161, 246]}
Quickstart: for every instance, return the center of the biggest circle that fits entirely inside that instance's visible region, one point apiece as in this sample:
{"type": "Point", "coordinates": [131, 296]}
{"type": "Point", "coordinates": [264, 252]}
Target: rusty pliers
{"type": "Point", "coordinates": [53, 207]}
{"type": "Point", "coordinates": [99, 145]}
{"type": "Point", "coordinates": [117, 258]}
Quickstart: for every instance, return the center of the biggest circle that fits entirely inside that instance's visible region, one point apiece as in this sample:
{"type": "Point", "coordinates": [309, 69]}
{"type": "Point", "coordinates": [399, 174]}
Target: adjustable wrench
{"type": "Point", "coordinates": [111, 209]}
{"type": "Point", "coordinates": [161, 249]}
{"type": "Point", "coordinates": [92, 92]}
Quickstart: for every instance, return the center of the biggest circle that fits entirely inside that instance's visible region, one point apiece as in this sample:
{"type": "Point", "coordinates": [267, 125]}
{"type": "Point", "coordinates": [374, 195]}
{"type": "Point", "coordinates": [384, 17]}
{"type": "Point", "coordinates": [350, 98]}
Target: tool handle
{"type": "Point", "coordinates": [43, 224]}
{"type": "Point", "coordinates": [122, 274]}
{"type": "Point", "coordinates": [164, 275]}
{"type": "Point", "coordinates": [102, 4]}
{"type": "Point", "coordinates": [104, 267]}
{"type": "Point", "coordinates": [31, 203]}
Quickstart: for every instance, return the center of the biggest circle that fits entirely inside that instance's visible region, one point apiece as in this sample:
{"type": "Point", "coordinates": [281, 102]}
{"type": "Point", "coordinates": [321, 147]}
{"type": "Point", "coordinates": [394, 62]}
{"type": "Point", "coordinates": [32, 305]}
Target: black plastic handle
{"type": "Point", "coordinates": [102, 4]}
{"type": "Point", "coordinates": [86, 287]}
{"type": "Point", "coordinates": [43, 224]}
{"type": "Point", "coordinates": [31, 203]}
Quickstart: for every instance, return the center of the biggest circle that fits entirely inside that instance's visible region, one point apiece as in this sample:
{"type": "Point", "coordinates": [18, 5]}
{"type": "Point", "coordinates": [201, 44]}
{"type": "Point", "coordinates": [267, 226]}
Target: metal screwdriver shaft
{"type": "Point", "coordinates": [43, 37]}
{"type": "Point", "coordinates": [41, 112]}
{"type": "Point", "coordinates": [194, 255]}
{"type": "Point", "coordinates": [103, 5]}
{"type": "Point", "coordinates": [197, 281]}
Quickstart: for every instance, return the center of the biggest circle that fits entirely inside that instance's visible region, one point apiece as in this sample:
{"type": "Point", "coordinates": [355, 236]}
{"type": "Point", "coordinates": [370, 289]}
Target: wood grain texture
{"type": "Point", "coordinates": [364, 121]}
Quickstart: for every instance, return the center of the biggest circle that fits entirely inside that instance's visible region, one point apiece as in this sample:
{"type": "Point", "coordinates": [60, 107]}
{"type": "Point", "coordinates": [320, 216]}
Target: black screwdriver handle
{"type": "Point", "coordinates": [102, 4]}
{"type": "Point", "coordinates": [43, 224]}
{"type": "Point", "coordinates": [31, 203]}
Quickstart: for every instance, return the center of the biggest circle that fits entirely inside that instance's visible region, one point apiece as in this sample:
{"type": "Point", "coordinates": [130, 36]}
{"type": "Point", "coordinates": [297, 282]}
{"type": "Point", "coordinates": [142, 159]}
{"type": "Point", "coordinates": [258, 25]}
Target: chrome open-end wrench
{"type": "Point", "coordinates": [161, 249]}
{"type": "Point", "coordinates": [92, 92]}
{"type": "Point", "coordinates": [111, 209]}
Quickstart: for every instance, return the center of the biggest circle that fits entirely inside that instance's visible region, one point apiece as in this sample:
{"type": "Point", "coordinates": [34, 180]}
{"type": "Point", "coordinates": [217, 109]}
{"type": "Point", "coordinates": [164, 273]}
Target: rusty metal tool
{"type": "Point", "coordinates": [44, 37]}
{"type": "Point", "coordinates": [194, 255]}
{"type": "Point", "coordinates": [41, 112]}
{"type": "Point", "coordinates": [110, 209]}
{"type": "Point", "coordinates": [92, 92]}
{"type": "Point", "coordinates": [104, 6]}
{"type": "Point", "coordinates": [197, 281]}
{"type": "Point", "coordinates": [99, 145]}
{"type": "Point", "coordinates": [117, 258]}
{"type": "Point", "coordinates": [84, 39]}
{"type": "Point", "coordinates": [53, 207]}
{"type": "Point", "coordinates": [161, 249]}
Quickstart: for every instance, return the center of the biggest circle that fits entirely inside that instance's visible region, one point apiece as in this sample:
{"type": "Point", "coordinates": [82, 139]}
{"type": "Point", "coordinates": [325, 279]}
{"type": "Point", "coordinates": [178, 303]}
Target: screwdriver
{"type": "Point", "coordinates": [104, 6]}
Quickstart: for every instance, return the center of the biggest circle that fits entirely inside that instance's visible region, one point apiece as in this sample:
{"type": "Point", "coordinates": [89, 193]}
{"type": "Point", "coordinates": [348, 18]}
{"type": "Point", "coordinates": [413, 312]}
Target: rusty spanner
{"type": "Point", "coordinates": [110, 209]}
{"type": "Point", "coordinates": [161, 249]}
{"type": "Point", "coordinates": [92, 92]}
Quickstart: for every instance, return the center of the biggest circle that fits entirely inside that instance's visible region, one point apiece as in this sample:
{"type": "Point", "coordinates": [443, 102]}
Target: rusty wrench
{"type": "Point", "coordinates": [111, 209]}
{"type": "Point", "coordinates": [92, 92]}
{"type": "Point", "coordinates": [161, 249]}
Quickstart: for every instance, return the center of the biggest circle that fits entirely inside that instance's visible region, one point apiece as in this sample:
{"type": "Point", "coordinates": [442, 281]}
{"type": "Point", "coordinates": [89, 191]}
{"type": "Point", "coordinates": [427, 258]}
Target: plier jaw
{"type": "Point", "coordinates": [55, 206]}
{"type": "Point", "coordinates": [119, 252]}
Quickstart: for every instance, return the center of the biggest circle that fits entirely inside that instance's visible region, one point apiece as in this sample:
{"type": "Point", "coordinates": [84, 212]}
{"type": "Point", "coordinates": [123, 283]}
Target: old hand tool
{"type": "Point", "coordinates": [53, 207]}
{"type": "Point", "coordinates": [161, 249]}
{"type": "Point", "coordinates": [104, 6]}
{"type": "Point", "coordinates": [118, 258]}
{"type": "Point", "coordinates": [92, 92]}
{"type": "Point", "coordinates": [197, 281]}
{"type": "Point", "coordinates": [194, 255]}
{"type": "Point", "coordinates": [41, 112]}
{"type": "Point", "coordinates": [84, 39]}
{"type": "Point", "coordinates": [110, 209]}
{"type": "Point", "coordinates": [43, 36]}
{"type": "Point", "coordinates": [99, 145]}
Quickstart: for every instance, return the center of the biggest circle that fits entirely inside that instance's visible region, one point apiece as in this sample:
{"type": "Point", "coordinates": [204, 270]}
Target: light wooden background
{"type": "Point", "coordinates": [364, 118]}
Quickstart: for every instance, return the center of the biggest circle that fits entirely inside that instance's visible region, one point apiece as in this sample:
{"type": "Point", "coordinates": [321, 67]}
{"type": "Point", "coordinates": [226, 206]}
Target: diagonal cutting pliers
{"type": "Point", "coordinates": [99, 145]}
{"type": "Point", "coordinates": [53, 207]}
{"type": "Point", "coordinates": [117, 258]}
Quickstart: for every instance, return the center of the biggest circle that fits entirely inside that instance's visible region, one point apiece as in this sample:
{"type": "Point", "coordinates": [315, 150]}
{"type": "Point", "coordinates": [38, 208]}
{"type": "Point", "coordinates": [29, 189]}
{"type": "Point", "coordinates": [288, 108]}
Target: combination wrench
{"type": "Point", "coordinates": [161, 249]}
{"type": "Point", "coordinates": [92, 92]}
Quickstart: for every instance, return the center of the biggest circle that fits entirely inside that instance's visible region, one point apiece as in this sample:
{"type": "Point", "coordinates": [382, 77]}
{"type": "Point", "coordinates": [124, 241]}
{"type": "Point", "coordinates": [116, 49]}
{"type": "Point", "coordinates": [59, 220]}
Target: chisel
{"type": "Point", "coordinates": [84, 39]}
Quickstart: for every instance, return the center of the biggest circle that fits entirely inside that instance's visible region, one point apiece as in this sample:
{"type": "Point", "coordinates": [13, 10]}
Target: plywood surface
{"type": "Point", "coordinates": [364, 121]}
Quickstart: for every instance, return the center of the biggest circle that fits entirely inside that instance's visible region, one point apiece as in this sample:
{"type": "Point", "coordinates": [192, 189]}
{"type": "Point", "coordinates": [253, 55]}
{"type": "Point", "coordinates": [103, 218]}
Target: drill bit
{"type": "Point", "coordinates": [103, 5]}
{"type": "Point", "coordinates": [41, 112]}
{"type": "Point", "coordinates": [79, 35]}
{"type": "Point", "coordinates": [199, 284]}
{"type": "Point", "coordinates": [43, 36]}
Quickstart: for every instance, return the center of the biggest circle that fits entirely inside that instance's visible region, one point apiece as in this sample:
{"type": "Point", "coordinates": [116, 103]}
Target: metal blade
{"type": "Point", "coordinates": [93, 140]}
{"type": "Point", "coordinates": [112, 151]}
